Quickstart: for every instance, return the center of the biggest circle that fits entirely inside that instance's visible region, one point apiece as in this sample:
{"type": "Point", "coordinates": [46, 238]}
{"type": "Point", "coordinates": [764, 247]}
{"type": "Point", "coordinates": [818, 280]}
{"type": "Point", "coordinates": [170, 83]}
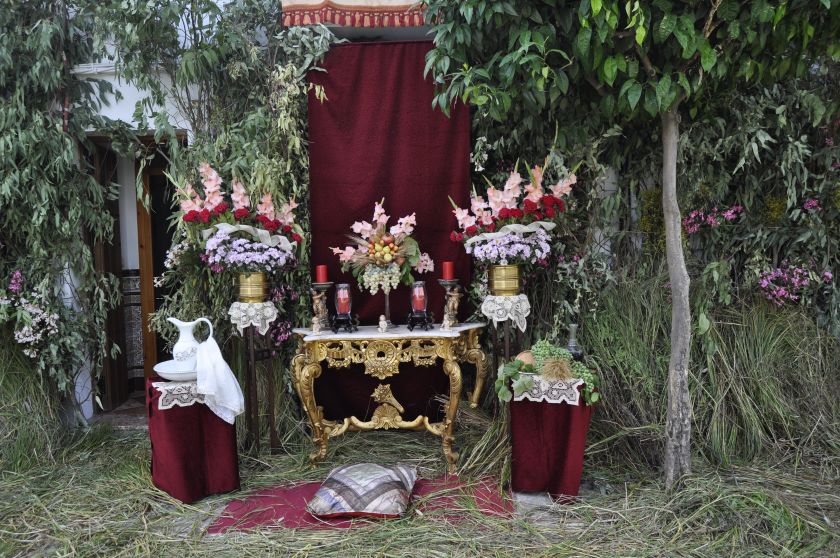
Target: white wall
{"type": "Point", "coordinates": [128, 213]}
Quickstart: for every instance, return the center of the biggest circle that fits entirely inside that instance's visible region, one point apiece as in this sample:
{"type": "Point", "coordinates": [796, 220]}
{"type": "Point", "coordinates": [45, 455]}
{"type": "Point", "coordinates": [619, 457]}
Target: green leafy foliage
{"type": "Point", "coordinates": [53, 209]}
{"type": "Point", "coordinates": [239, 79]}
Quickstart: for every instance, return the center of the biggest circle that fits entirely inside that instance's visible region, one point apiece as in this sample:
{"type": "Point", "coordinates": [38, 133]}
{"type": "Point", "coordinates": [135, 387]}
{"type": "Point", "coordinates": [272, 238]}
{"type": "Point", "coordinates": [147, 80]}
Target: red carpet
{"type": "Point", "coordinates": [285, 506]}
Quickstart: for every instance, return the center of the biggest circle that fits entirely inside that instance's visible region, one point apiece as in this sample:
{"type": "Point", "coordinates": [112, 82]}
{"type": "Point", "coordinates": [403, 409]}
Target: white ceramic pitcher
{"type": "Point", "coordinates": [186, 347]}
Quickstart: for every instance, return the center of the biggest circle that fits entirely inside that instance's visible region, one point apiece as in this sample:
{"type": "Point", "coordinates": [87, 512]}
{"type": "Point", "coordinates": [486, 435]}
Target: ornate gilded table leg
{"type": "Point", "coordinates": [306, 370]}
{"type": "Point", "coordinates": [453, 371]}
{"type": "Point", "coordinates": [475, 355]}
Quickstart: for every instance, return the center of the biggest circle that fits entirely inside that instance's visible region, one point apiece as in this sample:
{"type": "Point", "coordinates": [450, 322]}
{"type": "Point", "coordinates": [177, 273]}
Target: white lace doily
{"type": "Point", "coordinates": [258, 314]}
{"type": "Point", "coordinates": [552, 391]}
{"type": "Point", "coordinates": [180, 394]}
{"type": "Point", "coordinates": [503, 308]}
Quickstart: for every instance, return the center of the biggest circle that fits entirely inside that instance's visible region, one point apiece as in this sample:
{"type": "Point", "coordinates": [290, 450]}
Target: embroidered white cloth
{"type": "Point", "coordinates": [503, 308]}
{"type": "Point", "coordinates": [180, 394]}
{"type": "Point", "coordinates": [258, 314]}
{"type": "Point", "coordinates": [217, 383]}
{"type": "Point", "coordinates": [552, 391]}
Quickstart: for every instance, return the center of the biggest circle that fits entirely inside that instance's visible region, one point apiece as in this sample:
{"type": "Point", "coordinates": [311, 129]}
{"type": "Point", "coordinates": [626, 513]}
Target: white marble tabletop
{"type": "Point", "coordinates": [394, 332]}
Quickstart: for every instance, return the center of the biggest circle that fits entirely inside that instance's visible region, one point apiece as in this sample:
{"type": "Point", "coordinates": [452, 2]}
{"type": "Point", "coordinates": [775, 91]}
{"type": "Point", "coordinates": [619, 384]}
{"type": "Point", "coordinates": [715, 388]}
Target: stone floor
{"type": "Point", "coordinates": [131, 415]}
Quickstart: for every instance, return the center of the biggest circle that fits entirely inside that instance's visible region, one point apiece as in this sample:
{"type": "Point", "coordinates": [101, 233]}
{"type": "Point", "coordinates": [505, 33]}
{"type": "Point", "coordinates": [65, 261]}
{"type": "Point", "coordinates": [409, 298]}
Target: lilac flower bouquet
{"type": "Point", "coordinates": [511, 248]}
{"type": "Point", "coordinates": [223, 252]}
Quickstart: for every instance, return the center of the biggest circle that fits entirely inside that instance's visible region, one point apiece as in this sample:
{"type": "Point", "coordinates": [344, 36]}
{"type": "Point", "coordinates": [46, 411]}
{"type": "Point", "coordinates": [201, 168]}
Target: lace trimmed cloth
{"type": "Point", "coordinates": [552, 391]}
{"type": "Point", "coordinates": [177, 394]}
{"type": "Point", "coordinates": [503, 308]}
{"type": "Point", "coordinates": [257, 314]}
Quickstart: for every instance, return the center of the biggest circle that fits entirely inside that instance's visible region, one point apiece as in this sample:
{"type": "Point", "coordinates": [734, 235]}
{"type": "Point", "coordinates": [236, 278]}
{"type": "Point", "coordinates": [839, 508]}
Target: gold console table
{"type": "Point", "coordinates": [381, 354]}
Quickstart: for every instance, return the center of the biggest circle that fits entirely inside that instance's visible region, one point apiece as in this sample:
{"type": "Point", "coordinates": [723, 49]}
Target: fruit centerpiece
{"type": "Point", "coordinates": [380, 258]}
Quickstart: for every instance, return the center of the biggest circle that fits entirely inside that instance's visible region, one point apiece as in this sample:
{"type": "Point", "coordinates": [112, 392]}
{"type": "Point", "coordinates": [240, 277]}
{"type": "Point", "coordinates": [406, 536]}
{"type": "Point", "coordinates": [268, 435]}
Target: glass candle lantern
{"type": "Point", "coordinates": [419, 301]}
{"type": "Point", "coordinates": [343, 299]}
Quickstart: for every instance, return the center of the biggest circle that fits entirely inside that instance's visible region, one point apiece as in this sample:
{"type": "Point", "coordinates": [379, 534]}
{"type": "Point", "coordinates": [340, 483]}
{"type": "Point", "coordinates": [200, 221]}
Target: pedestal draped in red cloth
{"type": "Point", "coordinates": [548, 442]}
{"type": "Point", "coordinates": [377, 136]}
{"type": "Point", "coordinates": [194, 452]}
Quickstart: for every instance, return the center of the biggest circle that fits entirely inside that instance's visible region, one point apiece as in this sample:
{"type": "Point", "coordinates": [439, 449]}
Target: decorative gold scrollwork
{"type": "Point", "coordinates": [382, 358]}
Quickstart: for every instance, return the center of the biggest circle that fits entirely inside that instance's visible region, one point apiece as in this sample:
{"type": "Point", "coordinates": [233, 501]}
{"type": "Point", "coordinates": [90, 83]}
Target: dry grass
{"type": "Point", "coordinates": [97, 500]}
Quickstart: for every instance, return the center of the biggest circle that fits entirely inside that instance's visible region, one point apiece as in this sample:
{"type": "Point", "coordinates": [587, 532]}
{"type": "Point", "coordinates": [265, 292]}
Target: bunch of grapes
{"type": "Point", "coordinates": [377, 277]}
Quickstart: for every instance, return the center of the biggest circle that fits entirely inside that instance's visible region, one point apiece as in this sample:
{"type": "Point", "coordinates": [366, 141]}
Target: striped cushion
{"type": "Point", "coordinates": [365, 489]}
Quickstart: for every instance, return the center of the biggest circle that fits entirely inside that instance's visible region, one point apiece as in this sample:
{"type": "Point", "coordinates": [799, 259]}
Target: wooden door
{"type": "Point", "coordinates": [154, 239]}
{"type": "Point", "coordinates": [113, 382]}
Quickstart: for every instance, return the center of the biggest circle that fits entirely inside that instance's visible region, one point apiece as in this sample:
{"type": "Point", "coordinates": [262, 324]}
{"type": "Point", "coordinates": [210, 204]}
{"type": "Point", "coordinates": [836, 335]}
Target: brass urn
{"type": "Point", "coordinates": [252, 287]}
{"type": "Point", "coordinates": [504, 280]}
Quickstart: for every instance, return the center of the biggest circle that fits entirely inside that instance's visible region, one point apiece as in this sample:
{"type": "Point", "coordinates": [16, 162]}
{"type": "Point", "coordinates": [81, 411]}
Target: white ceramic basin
{"type": "Point", "coordinates": [174, 371]}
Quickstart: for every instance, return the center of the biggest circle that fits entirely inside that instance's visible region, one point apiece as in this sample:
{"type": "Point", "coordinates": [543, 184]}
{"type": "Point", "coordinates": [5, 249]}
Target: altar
{"type": "Point", "coordinates": [381, 354]}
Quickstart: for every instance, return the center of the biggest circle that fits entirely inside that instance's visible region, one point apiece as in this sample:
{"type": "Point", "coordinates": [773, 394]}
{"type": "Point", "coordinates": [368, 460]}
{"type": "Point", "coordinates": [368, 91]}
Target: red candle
{"type": "Point", "coordinates": [448, 271]}
{"type": "Point", "coordinates": [342, 300]}
{"type": "Point", "coordinates": [418, 297]}
{"type": "Point", "coordinates": [321, 274]}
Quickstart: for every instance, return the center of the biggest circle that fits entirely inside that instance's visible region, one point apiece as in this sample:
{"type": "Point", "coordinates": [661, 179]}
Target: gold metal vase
{"type": "Point", "coordinates": [252, 287]}
{"type": "Point", "coordinates": [504, 280]}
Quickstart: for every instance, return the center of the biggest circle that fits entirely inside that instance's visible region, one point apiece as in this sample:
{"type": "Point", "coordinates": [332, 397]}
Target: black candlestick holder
{"type": "Point", "coordinates": [424, 320]}
{"type": "Point", "coordinates": [348, 322]}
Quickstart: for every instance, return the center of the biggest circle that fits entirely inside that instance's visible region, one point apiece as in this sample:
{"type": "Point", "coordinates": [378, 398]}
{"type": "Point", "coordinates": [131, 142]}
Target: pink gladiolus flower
{"type": "Point", "coordinates": [287, 216]}
{"type": "Point", "coordinates": [266, 207]}
{"type": "Point", "coordinates": [563, 187]}
{"type": "Point", "coordinates": [477, 204]}
{"type": "Point", "coordinates": [535, 192]}
{"type": "Point", "coordinates": [362, 228]}
{"type": "Point", "coordinates": [424, 264]}
{"type": "Point", "coordinates": [495, 200]}
{"type": "Point", "coordinates": [379, 217]}
{"type": "Point", "coordinates": [512, 185]}
{"type": "Point", "coordinates": [405, 225]}
{"type": "Point", "coordinates": [484, 217]}
{"type": "Point", "coordinates": [193, 202]}
{"type": "Point", "coordinates": [344, 255]}
{"type": "Point", "coordinates": [464, 218]}
{"type": "Point", "coordinates": [239, 196]}
{"type": "Point", "coordinates": [213, 199]}
{"type": "Point", "coordinates": [537, 173]}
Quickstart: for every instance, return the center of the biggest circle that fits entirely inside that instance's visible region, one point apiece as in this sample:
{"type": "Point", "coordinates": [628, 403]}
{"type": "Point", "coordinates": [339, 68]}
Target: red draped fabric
{"type": "Point", "coordinates": [377, 136]}
{"type": "Point", "coordinates": [193, 451]}
{"type": "Point", "coordinates": [548, 443]}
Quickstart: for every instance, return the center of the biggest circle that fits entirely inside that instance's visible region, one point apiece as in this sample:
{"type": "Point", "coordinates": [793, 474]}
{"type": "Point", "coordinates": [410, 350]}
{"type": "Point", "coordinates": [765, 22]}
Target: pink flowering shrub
{"type": "Point", "coordinates": [791, 283]}
{"type": "Point", "coordinates": [697, 219]}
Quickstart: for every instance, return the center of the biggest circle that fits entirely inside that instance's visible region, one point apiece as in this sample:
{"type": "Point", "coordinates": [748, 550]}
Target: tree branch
{"type": "Point", "coordinates": [598, 87]}
{"type": "Point", "coordinates": [646, 63]}
{"type": "Point", "coordinates": [707, 28]}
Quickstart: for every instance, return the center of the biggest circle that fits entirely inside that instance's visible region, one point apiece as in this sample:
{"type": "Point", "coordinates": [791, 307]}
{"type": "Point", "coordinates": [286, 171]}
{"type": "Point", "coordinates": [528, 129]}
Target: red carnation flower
{"type": "Point", "coordinates": [190, 216]}
{"type": "Point", "coordinates": [219, 209]}
{"type": "Point", "coordinates": [204, 215]}
{"type": "Point", "coordinates": [241, 213]}
{"type": "Point", "coordinates": [471, 230]}
{"type": "Point", "coordinates": [538, 216]}
{"type": "Point", "coordinates": [262, 219]}
{"type": "Point", "coordinates": [287, 229]}
{"type": "Point", "coordinates": [504, 213]}
{"type": "Point", "coordinates": [456, 236]}
{"type": "Point", "coordinates": [516, 213]}
{"type": "Point", "coordinates": [548, 200]}
{"type": "Point", "coordinates": [549, 212]}
{"type": "Point", "coordinates": [271, 225]}
{"type": "Point", "coordinates": [561, 206]}
{"type": "Point", "coordinates": [530, 206]}
{"type": "Point", "coordinates": [491, 227]}
{"type": "Point", "coordinates": [297, 238]}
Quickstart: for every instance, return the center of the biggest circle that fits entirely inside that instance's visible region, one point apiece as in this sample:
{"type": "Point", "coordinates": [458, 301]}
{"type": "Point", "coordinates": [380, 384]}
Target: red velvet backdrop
{"type": "Point", "coordinates": [377, 136]}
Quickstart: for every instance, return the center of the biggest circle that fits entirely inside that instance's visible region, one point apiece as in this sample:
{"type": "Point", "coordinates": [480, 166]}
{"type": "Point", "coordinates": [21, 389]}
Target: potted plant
{"type": "Point", "coordinates": [511, 227]}
{"type": "Point", "coordinates": [381, 257]}
{"type": "Point", "coordinates": [254, 244]}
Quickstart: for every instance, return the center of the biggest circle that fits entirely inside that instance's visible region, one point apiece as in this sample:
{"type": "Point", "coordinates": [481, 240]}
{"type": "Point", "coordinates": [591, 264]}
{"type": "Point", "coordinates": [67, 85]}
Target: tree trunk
{"type": "Point", "coordinates": [678, 421]}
